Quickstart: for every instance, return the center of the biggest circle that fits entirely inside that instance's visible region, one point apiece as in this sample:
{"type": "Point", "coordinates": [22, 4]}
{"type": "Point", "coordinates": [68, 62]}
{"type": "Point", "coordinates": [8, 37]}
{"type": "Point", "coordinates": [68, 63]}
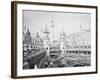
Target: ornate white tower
{"type": "Point", "coordinates": [62, 41]}
{"type": "Point", "coordinates": [52, 30]}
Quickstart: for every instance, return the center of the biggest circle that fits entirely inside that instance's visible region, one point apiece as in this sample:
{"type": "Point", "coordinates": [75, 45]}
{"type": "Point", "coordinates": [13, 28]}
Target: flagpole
{"type": "Point", "coordinates": [52, 30]}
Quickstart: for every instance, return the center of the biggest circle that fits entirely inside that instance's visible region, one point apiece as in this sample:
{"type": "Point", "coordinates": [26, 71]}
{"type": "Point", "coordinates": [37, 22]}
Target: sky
{"type": "Point", "coordinates": [63, 21]}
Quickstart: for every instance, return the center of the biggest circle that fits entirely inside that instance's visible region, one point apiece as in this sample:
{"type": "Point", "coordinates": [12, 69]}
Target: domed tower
{"type": "Point", "coordinates": [38, 42]}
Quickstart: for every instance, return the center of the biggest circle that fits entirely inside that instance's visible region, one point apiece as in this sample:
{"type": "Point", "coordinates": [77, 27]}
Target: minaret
{"type": "Point", "coordinates": [52, 26]}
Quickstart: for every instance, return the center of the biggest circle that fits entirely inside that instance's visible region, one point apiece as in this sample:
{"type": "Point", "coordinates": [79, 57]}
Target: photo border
{"type": "Point", "coordinates": [14, 37]}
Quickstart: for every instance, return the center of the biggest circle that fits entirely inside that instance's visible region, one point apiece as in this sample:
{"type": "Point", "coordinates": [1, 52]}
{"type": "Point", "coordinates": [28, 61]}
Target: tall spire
{"type": "Point", "coordinates": [52, 25]}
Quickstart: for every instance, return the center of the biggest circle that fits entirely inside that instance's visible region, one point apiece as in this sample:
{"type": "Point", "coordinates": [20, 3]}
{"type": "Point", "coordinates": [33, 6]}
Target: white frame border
{"type": "Point", "coordinates": [21, 72]}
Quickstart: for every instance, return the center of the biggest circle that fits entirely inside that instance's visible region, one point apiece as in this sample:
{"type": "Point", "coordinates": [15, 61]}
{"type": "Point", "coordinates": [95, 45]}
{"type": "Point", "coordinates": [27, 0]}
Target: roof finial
{"type": "Point", "coordinates": [80, 26]}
